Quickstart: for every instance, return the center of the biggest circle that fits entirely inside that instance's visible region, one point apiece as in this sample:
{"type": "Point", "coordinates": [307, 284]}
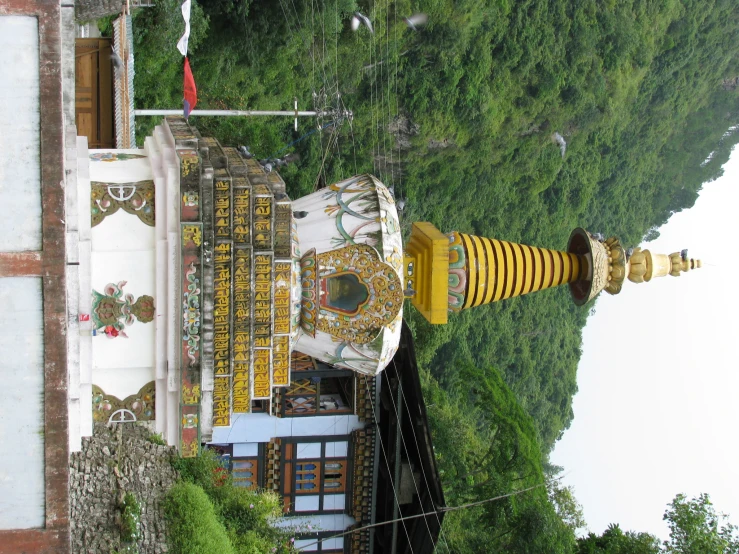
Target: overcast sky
{"type": "Point", "coordinates": [657, 410]}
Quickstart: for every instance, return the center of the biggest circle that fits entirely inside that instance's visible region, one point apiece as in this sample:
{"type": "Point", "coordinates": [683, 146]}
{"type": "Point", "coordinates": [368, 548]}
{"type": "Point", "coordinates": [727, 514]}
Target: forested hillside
{"type": "Point", "coordinates": [458, 117]}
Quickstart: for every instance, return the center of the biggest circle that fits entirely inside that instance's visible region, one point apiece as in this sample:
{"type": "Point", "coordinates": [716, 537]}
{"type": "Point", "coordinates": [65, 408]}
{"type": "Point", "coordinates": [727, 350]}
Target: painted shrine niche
{"type": "Point", "coordinates": [343, 293]}
{"type": "Point", "coordinates": [134, 198]}
{"type": "Point", "coordinates": [349, 293]}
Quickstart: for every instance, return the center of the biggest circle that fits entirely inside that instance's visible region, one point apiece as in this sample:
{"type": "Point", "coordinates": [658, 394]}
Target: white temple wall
{"type": "Point", "coordinates": [22, 409]}
{"type": "Point", "coordinates": [123, 253]}
{"type": "Point", "coordinates": [252, 428]}
{"type": "Point", "coordinates": [126, 240]}
{"type": "Point", "coordinates": [322, 522]}
{"type": "Point", "coordinates": [20, 185]}
{"type": "Point", "coordinates": [136, 351]}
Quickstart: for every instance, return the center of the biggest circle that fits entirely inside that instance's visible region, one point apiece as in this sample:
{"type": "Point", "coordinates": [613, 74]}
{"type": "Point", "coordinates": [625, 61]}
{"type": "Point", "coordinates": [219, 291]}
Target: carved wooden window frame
{"type": "Point", "coordinates": [290, 474]}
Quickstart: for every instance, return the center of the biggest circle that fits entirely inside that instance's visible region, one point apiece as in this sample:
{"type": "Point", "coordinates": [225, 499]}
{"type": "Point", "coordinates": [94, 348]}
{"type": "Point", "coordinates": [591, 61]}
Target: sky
{"type": "Point", "coordinates": [657, 410]}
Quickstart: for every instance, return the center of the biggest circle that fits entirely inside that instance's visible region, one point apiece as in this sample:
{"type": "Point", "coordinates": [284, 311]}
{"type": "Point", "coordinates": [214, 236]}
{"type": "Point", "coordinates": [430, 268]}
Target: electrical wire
{"type": "Point", "coordinates": [405, 447]}
{"type": "Point", "coordinates": [440, 510]}
{"type": "Point", "coordinates": [418, 447]}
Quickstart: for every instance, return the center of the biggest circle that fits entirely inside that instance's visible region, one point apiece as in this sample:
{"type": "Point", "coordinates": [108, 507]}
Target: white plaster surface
{"type": "Point", "coordinates": [86, 422]}
{"type": "Point", "coordinates": [160, 407]}
{"type": "Point", "coordinates": [122, 381]}
{"type": "Point", "coordinates": [264, 427]}
{"type": "Point", "coordinates": [307, 503]}
{"type": "Point", "coordinates": [20, 173]}
{"type": "Point", "coordinates": [120, 171]}
{"type": "Point", "coordinates": [22, 495]}
{"type": "Point", "coordinates": [334, 501]}
{"type": "Point", "coordinates": [245, 449]}
{"type": "Point", "coordinates": [122, 232]}
{"type": "Point", "coordinates": [308, 450]}
{"type": "Point", "coordinates": [323, 522]}
{"type": "Point", "coordinates": [137, 269]}
{"type": "Point", "coordinates": [337, 449]}
{"type": "Point", "coordinates": [173, 427]}
{"type": "Point", "coordinates": [309, 545]}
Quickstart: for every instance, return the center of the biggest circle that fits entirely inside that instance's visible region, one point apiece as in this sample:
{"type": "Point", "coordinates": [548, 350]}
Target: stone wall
{"type": "Point", "coordinates": [112, 462]}
{"type": "Point", "coordinates": [90, 10]}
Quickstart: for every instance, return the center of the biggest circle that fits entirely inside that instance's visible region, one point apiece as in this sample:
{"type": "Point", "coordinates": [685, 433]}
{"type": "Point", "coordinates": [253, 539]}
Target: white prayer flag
{"type": "Point", "coordinates": [182, 44]}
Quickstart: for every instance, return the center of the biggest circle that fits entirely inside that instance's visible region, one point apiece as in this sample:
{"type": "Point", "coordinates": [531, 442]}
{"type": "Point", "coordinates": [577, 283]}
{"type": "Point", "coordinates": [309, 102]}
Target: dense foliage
{"type": "Point", "coordinates": [487, 447]}
{"type": "Point", "coordinates": [206, 513]}
{"type": "Point", "coordinates": [192, 525]}
{"type": "Point", "coordinates": [130, 519]}
{"type": "Point", "coordinates": [695, 528]}
{"type": "Point", "coordinates": [458, 117]}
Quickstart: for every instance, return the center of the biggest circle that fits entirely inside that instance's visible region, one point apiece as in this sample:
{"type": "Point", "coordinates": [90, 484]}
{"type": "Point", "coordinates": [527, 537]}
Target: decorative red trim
{"type": "Point", "coordinates": [20, 264]}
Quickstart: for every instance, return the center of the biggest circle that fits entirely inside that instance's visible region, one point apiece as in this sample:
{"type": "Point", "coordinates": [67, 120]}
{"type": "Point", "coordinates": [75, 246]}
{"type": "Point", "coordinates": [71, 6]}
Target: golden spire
{"type": "Point", "coordinates": [458, 271]}
{"type": "Point", "coordinates": [643, 265]}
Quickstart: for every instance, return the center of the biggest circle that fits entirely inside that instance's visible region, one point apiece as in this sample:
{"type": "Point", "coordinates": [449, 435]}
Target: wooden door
{"type": "Point", "coordinates": [94, 91]}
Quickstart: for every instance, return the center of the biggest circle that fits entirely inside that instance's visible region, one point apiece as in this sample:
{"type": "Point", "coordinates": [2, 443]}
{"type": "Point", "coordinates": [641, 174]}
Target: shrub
{"type": "Point", "coordinates": [244, 510]}
{"type": "Point", "coordinates": [205, 470]}
{"type": "Point", "coordinates": [130, 518]}
{"type": "Point", "coordinates": [192, 524]}
{"type": "Point", "coordinates": [156, 438]}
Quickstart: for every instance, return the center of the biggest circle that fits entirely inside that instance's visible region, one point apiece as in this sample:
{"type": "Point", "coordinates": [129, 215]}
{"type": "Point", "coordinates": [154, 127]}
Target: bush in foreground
{"type": "Point", "coordinates": [244, 516]}
{"type": "Point", "coordinates": [193, 525]}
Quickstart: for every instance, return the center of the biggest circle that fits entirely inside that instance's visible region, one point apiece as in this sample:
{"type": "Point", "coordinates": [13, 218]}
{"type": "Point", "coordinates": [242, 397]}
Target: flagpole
{"type": "Point", "coordinates": [243, 113]}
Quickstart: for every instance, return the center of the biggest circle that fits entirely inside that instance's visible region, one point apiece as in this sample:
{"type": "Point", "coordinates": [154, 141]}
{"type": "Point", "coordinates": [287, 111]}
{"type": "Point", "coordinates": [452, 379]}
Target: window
{"type": "Point", "coordinates": [301, 362]}
{"type": "Point", "coordinates": [315, 474]}
{"type": "Point", "coordinates": [319, 396]}
{"type": "Point", "coordinates": [245, 472]}
{"type": "Point", "coordinates": [259, 406]}
{"type": "Point", "coordinates": [316, 542]}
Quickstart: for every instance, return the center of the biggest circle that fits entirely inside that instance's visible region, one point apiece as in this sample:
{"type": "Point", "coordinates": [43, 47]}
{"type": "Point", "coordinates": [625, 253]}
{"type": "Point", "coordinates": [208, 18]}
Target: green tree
{"type": "Point", "coordinates": [486, 446]}
{"type": "Point", "coordinates": [615, 541]}
{"type": "Point", "coordinates": [567, 507]}
{"type": "Point", "coordinates": [696, 528]}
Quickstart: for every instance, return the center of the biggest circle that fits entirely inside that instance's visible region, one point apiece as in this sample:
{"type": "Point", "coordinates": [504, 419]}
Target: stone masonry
{"type": "Point", "coordinates": [144, 469]}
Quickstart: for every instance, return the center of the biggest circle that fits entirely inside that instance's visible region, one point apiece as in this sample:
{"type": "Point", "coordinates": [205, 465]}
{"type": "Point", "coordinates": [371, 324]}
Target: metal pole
{"type": "Point", "coordinates": [293, 113]}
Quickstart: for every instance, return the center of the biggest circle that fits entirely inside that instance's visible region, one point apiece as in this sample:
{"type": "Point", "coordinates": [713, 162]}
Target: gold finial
{"type": "Point", "coordinates": [643, 265]}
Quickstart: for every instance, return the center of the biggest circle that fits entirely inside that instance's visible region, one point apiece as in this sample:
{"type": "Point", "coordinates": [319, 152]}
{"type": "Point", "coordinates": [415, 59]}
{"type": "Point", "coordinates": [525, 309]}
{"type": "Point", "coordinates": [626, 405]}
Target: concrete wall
{"type": "Point", "coordinates": [22, 498]}
{"type": "Point", "coordinates": [20, 143]}
{"type": "Point", "coordinates": [22, 409]}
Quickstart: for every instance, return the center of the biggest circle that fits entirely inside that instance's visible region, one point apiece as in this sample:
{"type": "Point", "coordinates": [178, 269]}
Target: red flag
{"type": "Point", "coordinates": [191, 93]}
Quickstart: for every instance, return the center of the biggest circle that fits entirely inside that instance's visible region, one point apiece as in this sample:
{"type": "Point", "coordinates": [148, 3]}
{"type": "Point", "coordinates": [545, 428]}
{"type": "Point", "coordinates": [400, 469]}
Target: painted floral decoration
{"type": "Point", "coordinates": [112, 311]}
{"type": "Point", "coordinates": [140, 404]}
{"type": "Point", "coordinates": [113, 157]}
{"type": "Point", "coordinates": [136, 198]}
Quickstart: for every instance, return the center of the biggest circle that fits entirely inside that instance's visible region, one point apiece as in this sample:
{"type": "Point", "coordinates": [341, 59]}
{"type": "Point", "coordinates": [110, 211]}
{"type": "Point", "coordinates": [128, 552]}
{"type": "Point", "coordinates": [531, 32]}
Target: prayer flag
{"type": "Point", "coordinates": [182, 44]}
{"type": "Point", "coordinates": [191, 92]}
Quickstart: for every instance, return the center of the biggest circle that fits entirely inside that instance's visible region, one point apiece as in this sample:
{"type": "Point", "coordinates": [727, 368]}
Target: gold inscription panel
{"type": "Point", "coordinates": [221, 401]}
{"type": "Point", "coordinates": [263, 298]}
{"type": "Point", "coordinates": [281, 361]}
{"type": "Point", "coordinates": [262, 222]}
{"type": "Point", "coordinates": [222, 309]}
{"type": "Point", "coordinates": [283, 224]}
{"type": "Point", "coordinates": [241, 329]}
{"type": "Point", "coordinates": [222, 209]}
{"type": "Point", "coordinates": [241, 215]}
{"type": "Point", "coordinates": [262, 364]}
{"type": "Point", "coordinates": [282, 297]}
